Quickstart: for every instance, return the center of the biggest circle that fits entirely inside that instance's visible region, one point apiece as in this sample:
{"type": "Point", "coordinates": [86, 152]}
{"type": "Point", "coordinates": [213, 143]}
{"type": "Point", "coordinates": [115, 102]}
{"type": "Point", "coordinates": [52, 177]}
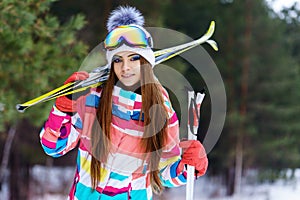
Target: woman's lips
{"type": "Point", "coordinates": [127, 75]}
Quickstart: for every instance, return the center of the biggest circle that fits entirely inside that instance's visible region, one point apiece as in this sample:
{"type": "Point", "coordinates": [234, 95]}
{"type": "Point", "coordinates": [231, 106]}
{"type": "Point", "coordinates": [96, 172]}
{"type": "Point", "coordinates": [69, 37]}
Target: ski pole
{"type": "Point", "coordinates": [194, 104]}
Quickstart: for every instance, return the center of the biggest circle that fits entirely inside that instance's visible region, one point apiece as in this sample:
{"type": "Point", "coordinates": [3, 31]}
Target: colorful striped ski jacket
{"type": "Point", "coordinates": [125, 175]}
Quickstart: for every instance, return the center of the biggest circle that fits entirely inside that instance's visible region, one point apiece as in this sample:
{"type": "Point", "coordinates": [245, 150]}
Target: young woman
{"type": "Point", "coordinates": [126, 131]}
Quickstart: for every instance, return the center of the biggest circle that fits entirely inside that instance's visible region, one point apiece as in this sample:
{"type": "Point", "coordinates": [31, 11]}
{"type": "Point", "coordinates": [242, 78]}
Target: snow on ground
{"type": "Point", "coordinates": [207, 190]}
{"type": "Point", "coordinates": [57, 181]}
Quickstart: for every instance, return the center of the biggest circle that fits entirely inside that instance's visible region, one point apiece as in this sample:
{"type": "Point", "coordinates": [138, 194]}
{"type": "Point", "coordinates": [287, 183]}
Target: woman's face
{"type": "Point", "coordinates": [127, 67]}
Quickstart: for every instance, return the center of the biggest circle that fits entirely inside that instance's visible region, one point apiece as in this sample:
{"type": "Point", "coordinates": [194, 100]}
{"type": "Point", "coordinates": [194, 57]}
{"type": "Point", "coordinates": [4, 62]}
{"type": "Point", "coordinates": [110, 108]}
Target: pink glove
{"type": "Point", "coordinates": [193, 154]}
{"type": "Point", "coordinates": [65, 103]}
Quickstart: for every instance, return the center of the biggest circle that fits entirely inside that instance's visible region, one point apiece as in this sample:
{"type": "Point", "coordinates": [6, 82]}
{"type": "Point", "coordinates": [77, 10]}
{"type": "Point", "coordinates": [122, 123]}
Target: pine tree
{"type": "Point", "coordinates": [36, 54]}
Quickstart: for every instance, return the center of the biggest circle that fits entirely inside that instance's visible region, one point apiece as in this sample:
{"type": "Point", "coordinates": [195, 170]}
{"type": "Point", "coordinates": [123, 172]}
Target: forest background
{"type": "Point", "coordinates": [44, 41]}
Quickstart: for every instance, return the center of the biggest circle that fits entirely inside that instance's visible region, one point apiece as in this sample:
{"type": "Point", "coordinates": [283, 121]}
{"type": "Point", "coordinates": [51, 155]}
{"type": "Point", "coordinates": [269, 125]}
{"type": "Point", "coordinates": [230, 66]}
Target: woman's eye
{"type": "Point", "coordinates": [135, 57]}
{"type": "Point", "coordinates": [117, 60]}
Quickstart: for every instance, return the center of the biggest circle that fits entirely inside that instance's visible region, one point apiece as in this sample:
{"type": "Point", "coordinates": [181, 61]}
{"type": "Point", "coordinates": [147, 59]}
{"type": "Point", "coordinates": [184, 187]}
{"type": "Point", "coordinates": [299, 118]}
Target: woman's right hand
{"type": "Point", "coordinates": [66, 103]}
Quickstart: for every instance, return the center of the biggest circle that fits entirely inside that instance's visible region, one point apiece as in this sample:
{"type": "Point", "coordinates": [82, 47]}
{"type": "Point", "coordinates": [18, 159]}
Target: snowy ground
{"type": "Point", "coordinates": [205, 188]}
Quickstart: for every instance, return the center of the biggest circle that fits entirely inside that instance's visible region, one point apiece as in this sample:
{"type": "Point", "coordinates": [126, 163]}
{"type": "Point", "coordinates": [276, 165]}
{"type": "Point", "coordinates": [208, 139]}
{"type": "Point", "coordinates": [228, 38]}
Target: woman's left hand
{"type": "Point", "coordinates": [194, 154]}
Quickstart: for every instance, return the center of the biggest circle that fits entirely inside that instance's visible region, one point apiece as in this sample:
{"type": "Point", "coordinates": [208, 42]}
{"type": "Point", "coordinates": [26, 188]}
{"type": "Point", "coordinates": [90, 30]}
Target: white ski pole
{"type": "Point", "coordinates": [194, 103]}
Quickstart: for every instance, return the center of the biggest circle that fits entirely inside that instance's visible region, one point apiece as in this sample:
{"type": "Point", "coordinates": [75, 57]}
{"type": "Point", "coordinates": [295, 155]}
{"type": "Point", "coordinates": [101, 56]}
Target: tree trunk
{"type": "Point", "coordinates": [19, 170]}
{"type": "Point", "coordinates": [230, 175]}
{"type": "Point", "coordinates": [238, 164]}
{"type": "Point", "coordinates": [14, 187]}
{"type": "Point", "coordinates": [230, 181]}
{"type": "Point", "coordinates": [244, 94]}
{"type": "Point", "coordinates": [6, 152]}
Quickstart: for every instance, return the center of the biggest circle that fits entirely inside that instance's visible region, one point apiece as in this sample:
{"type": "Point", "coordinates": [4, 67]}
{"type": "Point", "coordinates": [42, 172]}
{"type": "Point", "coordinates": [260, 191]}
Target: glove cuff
{"type": "Point", "coordinates": [65, 104]}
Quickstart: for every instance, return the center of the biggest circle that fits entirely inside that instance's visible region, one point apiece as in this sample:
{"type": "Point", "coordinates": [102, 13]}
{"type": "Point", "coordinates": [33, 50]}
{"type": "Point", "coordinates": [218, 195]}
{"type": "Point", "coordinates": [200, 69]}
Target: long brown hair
{"type": "Point", "coordinates": [154, 136]}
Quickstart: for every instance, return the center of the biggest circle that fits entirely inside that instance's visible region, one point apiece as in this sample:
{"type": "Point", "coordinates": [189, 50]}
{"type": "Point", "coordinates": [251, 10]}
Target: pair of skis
{"type": "Point", "coordinates": [100, 74]}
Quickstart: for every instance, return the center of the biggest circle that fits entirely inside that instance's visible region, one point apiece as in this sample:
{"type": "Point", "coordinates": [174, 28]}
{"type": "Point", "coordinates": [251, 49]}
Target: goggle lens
{"type": "Point", "coordinates": [130, 35]}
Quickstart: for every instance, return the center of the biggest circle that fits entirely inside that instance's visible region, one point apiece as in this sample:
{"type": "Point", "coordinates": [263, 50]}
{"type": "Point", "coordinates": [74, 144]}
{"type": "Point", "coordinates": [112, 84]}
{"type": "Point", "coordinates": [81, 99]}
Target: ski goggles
{"type": "Point", "coordinates": [130, 35]}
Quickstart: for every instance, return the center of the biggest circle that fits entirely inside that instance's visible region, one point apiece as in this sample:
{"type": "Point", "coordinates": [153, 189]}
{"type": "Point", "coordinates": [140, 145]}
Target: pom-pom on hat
{"type": "Point", "coordinates": [126, 33]}
{"type": "Point", "coordinates": [124, 15]}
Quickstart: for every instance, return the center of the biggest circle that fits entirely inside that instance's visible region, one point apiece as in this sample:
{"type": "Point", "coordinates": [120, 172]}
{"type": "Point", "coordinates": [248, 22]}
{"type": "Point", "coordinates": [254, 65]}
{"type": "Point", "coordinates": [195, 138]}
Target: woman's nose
{"type": "Point", "coordinates": [125, 65]}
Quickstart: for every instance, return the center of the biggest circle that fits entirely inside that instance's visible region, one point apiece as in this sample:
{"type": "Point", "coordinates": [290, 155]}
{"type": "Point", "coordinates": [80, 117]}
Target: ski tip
{"type": "Point", "coordinates": [216, 48]}
{"type": "Point", "coordinates": [213, 44]}
{"type": "Point", "coordinates": [212, 26]}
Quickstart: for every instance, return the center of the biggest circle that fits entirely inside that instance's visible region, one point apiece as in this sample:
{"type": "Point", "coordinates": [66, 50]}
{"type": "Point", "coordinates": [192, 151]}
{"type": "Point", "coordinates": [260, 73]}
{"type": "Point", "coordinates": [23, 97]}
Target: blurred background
{"type": "Point", "coordinates": [257, 155]}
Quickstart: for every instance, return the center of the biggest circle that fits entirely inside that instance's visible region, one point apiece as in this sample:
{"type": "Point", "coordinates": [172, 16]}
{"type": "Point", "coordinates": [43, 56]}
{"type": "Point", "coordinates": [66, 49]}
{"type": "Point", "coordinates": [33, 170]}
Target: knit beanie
{"type": "Point", "coordinates": [121, 21]}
